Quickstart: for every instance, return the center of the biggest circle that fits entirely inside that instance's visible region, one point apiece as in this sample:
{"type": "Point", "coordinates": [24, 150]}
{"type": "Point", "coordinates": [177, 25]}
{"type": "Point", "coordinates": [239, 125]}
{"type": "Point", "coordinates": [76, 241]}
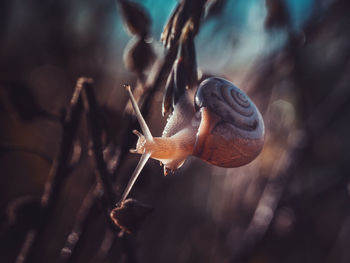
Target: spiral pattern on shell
{"type": "Point", "coordinates": [238, 128]}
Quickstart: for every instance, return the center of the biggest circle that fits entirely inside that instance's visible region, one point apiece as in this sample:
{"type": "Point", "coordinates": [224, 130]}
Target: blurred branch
{"type": "Point", "coordinates": [56, 178]}
{"type": "Point", "coordinates": [102, 192]}
{"type": "Point", "coordinates": [94, 121]}
{"type": "Point", "coordinates": [71, 247]}
{"type": "Point", "coordinates": [138, 22]}
{"type": "Point", "coordinates": [267, 204]}
{"type": "Point", "coordinates": [315, 122]}
{"type": "Point", "coordinates": [333, 106]}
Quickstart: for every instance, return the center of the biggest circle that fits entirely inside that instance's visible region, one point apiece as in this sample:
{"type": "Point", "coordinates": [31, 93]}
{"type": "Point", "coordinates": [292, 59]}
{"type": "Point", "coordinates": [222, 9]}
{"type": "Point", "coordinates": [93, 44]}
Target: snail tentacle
{"type": "Point", "coordinates": [143, 160]}
{"type": "Point", "coordinates": [144, 127]}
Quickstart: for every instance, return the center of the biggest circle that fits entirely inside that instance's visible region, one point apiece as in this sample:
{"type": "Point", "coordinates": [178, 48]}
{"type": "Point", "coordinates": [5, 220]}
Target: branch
{"type": "Point", "coordinates": [94, 122]}
{"type": "Point", "coordinates": [56, 177]}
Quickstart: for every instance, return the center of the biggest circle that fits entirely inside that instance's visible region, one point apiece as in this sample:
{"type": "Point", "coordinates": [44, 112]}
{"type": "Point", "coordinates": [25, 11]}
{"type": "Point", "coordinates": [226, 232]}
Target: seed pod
{"type": "Point", "coordinates": [138, 55]}
{"type": "Point", "coordinates": [130, 214]}
{"type": "Point", "coordinates": [136, 18]}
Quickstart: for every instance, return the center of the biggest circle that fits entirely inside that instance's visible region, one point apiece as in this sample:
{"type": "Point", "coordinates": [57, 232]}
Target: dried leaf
{"type": "Point", "coordinates": [183, 74]}
{"type": "Point", "coordinates": [185, 11]}
{"type": "Point", "coordinates": [167, 105]}
{"type": "Point", "coordinates": [180, 18]}
{"type": "Point", "coordinates": [130, 214]}
{"type": "Point", "coordinates": [136, 18]}
{"type": "Point", "coordinates": [138, 55]}
{"type": "Point", "coordinates": [188, 53]}
{"type": "Point", "coordinates": [180, 77]}
{"type": "Point", "coordinates": [166, 34]}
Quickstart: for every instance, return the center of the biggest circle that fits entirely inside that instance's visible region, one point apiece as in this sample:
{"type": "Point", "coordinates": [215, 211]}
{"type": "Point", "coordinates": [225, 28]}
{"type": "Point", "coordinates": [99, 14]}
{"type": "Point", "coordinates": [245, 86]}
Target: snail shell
{"type": "Point", "coordinates": [231, 131]}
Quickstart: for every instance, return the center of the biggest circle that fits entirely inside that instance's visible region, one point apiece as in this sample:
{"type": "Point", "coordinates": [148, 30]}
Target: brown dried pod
{"type": "Point", "coordinates": [136, 18]}
{"type": "Point", "coordinates": [167, 103]}
{"type": "Point", "coordinates": [187, 57]}
{"type": "Point", "coordinates": [129, 214]}
{"type": "Point", "coordinates": [138, 55]}
{"type": "Point", "coordinates": [185, 11]}
{"type": "Point", "coordinates": [184, 72]}
{"type": "Point", "coordinates": [166, 35]}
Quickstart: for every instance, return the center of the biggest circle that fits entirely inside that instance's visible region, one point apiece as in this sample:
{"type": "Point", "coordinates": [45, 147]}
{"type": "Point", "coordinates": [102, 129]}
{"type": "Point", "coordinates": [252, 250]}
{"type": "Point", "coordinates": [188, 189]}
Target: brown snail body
{"type": "Point", "coordinates": [222, 127]}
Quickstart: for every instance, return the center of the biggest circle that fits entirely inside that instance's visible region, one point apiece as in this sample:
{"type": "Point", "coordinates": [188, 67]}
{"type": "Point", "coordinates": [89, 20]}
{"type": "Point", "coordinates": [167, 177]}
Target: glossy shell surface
{"type": "Point", "coordinates": [232, 130]}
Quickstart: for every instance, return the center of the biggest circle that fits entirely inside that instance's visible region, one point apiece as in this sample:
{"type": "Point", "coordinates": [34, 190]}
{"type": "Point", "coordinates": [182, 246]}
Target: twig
{"type": "Point", "coordinates": [107, 197]}
{"type": "Point", "coordinates": [56, 178]}
{"type": "Point", "coordinates": [94, 121]}
{"type": "Point", "coordinates": [69, 251]}
{"type": "Point", "coordinates": [267, 205]}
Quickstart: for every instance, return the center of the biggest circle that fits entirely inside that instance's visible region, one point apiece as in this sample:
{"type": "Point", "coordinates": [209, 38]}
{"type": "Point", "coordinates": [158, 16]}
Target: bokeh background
{"type": "Point", "coordinates": [292, 204]}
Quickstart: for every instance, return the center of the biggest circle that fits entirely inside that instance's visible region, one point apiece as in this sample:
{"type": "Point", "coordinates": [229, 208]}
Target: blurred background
{"type": "Point", "coordinates": [290, 205]}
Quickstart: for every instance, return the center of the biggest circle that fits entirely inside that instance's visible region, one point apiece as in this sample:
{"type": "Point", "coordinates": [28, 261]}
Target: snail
{"type": "Point", "coordinates": [222, 127]}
